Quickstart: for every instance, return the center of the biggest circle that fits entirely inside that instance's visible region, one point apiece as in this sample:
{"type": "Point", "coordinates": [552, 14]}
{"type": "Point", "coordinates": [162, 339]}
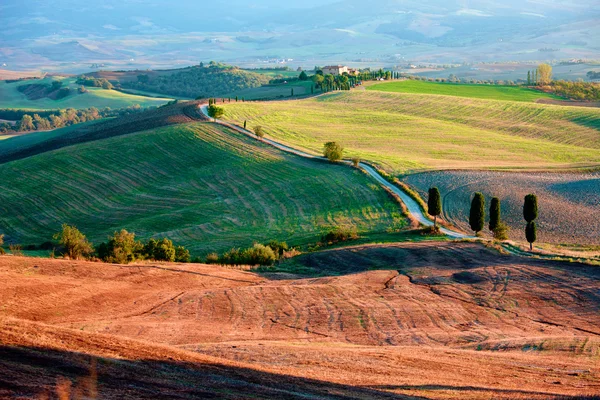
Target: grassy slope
{"type": "Point", "coordinates": [202, 187]}
{"type": "Point", "coordinates": [496, 92]}
{"type": "Point", "coordinates": [407, 132]}
{"type": "Point", "coordinates": [10, 97]}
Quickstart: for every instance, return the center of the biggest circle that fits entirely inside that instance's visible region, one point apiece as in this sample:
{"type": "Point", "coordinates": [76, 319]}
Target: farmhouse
{"type": "Point", "coordinates": [339, 70]}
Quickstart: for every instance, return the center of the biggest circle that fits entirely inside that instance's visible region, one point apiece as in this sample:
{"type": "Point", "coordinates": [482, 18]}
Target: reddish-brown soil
{"type": "Point", "coordinates": [446, 320]}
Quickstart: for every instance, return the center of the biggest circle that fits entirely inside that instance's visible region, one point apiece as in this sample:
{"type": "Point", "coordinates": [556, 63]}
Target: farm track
{"type": "Point", "coordinates": [375, 333]}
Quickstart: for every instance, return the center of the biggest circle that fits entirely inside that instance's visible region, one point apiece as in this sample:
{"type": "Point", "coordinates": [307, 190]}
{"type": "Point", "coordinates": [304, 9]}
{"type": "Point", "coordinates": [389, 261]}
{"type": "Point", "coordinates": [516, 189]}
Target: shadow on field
{"type": "Point", "coordinates": [513, 393]}
{"type": "Point", "coordinates": [48, 374]}
{"type": "Point", "coordinates": [404, 257]}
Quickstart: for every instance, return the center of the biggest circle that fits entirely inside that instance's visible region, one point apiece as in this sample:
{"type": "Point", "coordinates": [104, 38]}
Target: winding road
{"type": "Point", "coordinates": [411, 205]}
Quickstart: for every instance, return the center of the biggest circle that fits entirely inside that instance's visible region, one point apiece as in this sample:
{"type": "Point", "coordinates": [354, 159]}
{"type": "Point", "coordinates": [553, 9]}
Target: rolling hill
{"type": "Point", "coordinates": [201, 185]}
{"type": "Point", "coordinates": [405, 132]}
{"type": "Point", "coordinates": [12, 97]}
{"type": "Point", "coordinates": [426, 321]}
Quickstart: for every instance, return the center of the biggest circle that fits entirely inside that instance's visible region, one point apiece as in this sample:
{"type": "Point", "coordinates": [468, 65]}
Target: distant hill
{"type": "Point", "coordinates": [198, 81]}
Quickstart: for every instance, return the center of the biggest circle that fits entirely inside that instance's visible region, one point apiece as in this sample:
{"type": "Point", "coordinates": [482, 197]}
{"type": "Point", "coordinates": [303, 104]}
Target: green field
{"type": "Point", "coordinates": [201, 185]}
{"type": "Point", "coordinates": [276, 91]}
{"type": "Point", "coordinates": [408, 132]}
{"type": "Point", "coordinates": [10, 97]}
{"type": "Point", "coordinates": [492, 92]}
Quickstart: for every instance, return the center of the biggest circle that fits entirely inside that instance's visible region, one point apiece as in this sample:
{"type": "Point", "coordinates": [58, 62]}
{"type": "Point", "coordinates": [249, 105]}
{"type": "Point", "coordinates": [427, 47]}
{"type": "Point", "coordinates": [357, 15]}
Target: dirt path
{"type": "Point", "coordinates": [412, 206]}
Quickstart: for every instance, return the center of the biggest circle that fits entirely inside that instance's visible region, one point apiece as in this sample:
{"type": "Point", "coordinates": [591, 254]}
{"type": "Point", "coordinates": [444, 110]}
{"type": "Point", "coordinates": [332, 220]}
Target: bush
{"type": "Point", "coordinates": [278, 247]}
{"type": "Point", "coordinates": [16, 250]}
{"type": "Point", "coordinates": [258, 131]}
{"type": "Point", "coordinates": [160, 250]}
{"type": "Point", "coordinates": [259, 254]}
{"type": "Point", "coordinates": [340, 234]}
{"type": "Point", "coordinates": [122, 248]}
{"type": "Point", "coordinates": [75, 243]}
{"type": "Point", "coordinates": [212, 258]}
{"type": "Point", "coordinates": [501, 231]}
{"type": "Point", "coordinates": [333, 151]}
{"type": "Point", "coordinates": [355, 161]}
{"type": "Point", "coordinates": [182, 254]}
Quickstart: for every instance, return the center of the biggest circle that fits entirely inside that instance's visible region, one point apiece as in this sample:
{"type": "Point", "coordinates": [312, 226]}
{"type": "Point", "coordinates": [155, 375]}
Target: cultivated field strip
{"type": "Point", "coordinates": [567, 202]}
{"type": "Point", "coordinates": [203, 186]}
{"type": "Point", "coordinates": [414, 131]}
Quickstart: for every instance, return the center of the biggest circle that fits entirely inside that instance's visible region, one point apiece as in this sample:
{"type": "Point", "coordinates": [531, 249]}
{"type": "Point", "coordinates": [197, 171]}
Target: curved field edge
{"type": "Point", "coordinates": [201, 185]}
{"type": "Point", "coordinates": [412, 132]}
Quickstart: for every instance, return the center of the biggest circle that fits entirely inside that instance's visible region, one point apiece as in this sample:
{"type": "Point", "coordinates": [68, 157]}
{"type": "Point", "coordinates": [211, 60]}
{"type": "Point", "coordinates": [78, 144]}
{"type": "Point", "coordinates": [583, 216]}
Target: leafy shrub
{"type": "Point", "coordinates": [259, 254]}
{"type": "Point", "coordinates": [212, 258]}
{"type": "Point", "coordinates": [75, 243]}
{"type": "Point", "coordinates": [258, 131]}
{"type": "Point", "coordinates": [333, 151]}
{"type": "Point", "coordinates": [278, 247]}
{"type": "Point", "coordinates": [16, 249]}
{"type": "Point", "coordinates": [182, 254]}
{"type": "Point", "coordinates": [501, 231]}
{"type": "Point", "coordinates": [122, 248]}
{"type": "Point", "coordinates": [340, 234]}
{"type": "Point", "coordinates": [160, 250]}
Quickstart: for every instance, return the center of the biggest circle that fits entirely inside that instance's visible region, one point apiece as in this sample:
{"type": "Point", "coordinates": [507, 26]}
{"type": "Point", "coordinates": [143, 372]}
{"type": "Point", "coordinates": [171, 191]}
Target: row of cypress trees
{"type": "Point", "coordinates": [477, 215]}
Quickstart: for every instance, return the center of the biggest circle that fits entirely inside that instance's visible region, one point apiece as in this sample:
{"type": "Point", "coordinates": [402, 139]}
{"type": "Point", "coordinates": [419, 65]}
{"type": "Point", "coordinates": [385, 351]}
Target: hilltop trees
{"type": "Point", "coordinates": [333, 151]}
{"type": "Point", "coordinates": [544, 74]}
{"type": "Point", "coordinates": [530, 213]}
{"type": "Point", "coordinates": [74, 242]}
{"type": "Point", "coordinates": [477, 213]}
{"type": "Point", "coordinates": [434, 204]}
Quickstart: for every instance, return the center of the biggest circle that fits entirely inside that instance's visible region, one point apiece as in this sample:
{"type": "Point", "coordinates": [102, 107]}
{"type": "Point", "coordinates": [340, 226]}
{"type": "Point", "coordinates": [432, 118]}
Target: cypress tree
{"type": "Point", "coordinates": [292, 92]}
{"type": "Point", "coordinates": [477, 214]}
{"type": "Point", "coordinates": [236, 99]}
{"type": "Point", "coordinates": [434, 204]}
{"type": "Point", "coordinates": [245, 124]}
{"type": "Point", "coordinates": [530, 213]}
{"type": "Point", "coordinates": [528, 78]}
{"type": "Point", "coordinates": [531, 234]}
{"type": "Point", "coordinates": [494, 214]}
{"type": "Point", "coordinates": [530, 208]}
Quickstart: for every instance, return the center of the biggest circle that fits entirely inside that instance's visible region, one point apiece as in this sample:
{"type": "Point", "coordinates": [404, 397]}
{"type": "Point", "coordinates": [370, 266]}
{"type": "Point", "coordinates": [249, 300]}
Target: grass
{"type": "Point", "coordinates": [491, 92]}
{"type": "Point", "coordinates": [409, 132]}
{"type": "Point", "coordinates": [202, 186]}
{"type": "Point", "coordinates": [10, 97]}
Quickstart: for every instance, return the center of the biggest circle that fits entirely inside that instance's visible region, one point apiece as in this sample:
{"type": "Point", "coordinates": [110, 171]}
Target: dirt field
{"type": "Point", "coordinates": [567, 203]}
{"type": "Point", "coordinates": [428, 320]}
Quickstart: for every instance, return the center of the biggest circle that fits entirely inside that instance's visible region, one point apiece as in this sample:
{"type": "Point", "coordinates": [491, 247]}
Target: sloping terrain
{"type": "Point", "coordinates": [408, 131]}
{"type": "Point", "coordinates": [567, 202]}
{"type": "Point", "coordinates": [32, 96]}
{"type": "Point", "coordinates": [442, 320]}
{"type": "Point", "coordinates": [201, 185]}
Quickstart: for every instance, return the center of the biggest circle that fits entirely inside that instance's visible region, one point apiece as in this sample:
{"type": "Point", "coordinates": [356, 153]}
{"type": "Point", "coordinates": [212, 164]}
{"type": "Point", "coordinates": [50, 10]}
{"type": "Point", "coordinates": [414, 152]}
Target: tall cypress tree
{"type": "Point", "coordinates": [494, 214]}
{"type": "Point", "coordinates": [477, 214]}
{"type": "Point", "coordinates": [530, 213]}
{"type": "Point", "coordinates": [528, 78]}
{"type": "Point", "coordinates": [531, 234]}
{"type": "Point", "coordinates": [434, 204]}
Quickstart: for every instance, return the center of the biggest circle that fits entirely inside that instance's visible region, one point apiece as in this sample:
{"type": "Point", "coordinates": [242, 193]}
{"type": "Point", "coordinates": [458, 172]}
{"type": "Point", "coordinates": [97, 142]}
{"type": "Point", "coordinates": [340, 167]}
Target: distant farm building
{"type": "Point", "coordinates": [339, 70]}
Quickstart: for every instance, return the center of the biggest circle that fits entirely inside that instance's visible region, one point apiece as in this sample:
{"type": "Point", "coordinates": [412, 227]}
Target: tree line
{"type": "Point", "coordinates": [541, 78]}
{"type": "Point", "coordinates": [477, 215]}
{"type": "Point", "coordinates": [65, 117]}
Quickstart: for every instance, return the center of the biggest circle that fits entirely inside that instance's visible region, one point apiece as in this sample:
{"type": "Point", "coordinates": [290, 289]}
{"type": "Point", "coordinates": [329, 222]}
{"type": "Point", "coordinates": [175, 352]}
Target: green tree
{"type": "Point", "coordinates": [258, 131]}
{"type": "Point", "coordinates": [544, 74]}
{"type": "Point", "coordinates": [477, 213]}
{"type": "Point", "coordinates": [494, 214]}
{"type": "Point", "coordinates": [292, 92]}
{"type": "Point", "coordinates": [244, 123]}
{"type": "Point", "coordinates": [528, 78]}
{"type": "Point", "coordinates": [434, 204]}
{"type": "Point", "coordinates": [74, 242]}
{"type": "Point", "coordinates": [531, 234]}
{"type": "Point", "coordinates": [530, 213]}
{"type": "Point", "coordinates": [530, 208]}
{"type": "Point", "coordinates": [215, 112]}
{"type": "Point", "coordinates": [182, 254]}
{"type": "Point", "coordinates": [26, 123]}
{"type": "Point", "coordinates": [160, 250]}
{"type": "Point", "coordinates": [333, 151]}
{"type": "Point", "coordinates": [303, 76]}
{"type": "Point", "coordinates": [122, 248]}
